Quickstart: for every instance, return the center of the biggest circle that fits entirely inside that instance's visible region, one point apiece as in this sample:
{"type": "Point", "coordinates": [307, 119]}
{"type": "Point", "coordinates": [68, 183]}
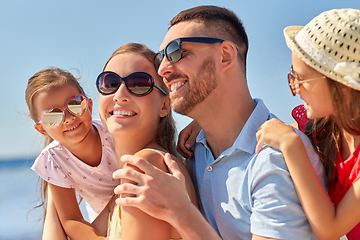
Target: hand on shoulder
{"type": "Point", "coordinates": [152, 156]}
{"type": "Point", "coordinates": [276, 134]}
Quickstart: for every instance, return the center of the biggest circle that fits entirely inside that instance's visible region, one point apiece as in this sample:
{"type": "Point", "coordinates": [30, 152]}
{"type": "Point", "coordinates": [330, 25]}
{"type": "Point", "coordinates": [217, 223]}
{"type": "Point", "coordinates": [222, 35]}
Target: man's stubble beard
{"type": "Point", "coordinates": [199, 88]}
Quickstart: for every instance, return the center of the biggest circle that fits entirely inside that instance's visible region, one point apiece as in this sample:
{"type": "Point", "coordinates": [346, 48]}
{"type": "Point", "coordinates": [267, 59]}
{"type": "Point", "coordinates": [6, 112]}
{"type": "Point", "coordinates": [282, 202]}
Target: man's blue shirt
{"type": "Point", "coordinates": [242, 193]}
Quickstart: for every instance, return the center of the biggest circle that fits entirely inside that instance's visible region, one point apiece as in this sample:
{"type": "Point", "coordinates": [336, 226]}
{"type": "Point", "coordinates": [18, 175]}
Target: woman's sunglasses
{"type": "Point", "coordinates": [294, 81]}
{"type": "Point", "coordinates": [55, 116]}
{"type": "Point", "coordinates": [173, 51]}
{"type": "Point", "coordinates": [137, 83]}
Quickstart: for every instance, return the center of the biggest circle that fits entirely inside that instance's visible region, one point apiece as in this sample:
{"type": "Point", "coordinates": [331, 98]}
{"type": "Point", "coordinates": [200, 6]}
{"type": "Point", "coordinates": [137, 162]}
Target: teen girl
{"type": "Point", "coordinates": [135, 107]}
{"type": "Point", "coordinates": [80, 159]}
{"type": "Point", "coordinates": [326, 75]}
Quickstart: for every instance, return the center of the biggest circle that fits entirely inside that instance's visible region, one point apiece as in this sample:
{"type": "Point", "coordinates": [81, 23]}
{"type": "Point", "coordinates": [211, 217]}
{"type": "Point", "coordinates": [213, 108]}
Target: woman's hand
{"type": "Point", "coordinates": [273, 133]}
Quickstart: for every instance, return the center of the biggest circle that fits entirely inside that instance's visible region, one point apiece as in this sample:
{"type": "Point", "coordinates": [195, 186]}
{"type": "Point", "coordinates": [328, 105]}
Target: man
{"type": "Point", "coordinates": [242, 195]}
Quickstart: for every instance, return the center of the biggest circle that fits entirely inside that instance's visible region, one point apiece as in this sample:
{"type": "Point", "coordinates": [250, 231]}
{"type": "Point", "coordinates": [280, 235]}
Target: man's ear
{"type": "Point", "coordinates": [166, 106]}
{"type": "Point", "coordinates": [228, 55]}
{"type": "Point", "coordinates": [40, 129]}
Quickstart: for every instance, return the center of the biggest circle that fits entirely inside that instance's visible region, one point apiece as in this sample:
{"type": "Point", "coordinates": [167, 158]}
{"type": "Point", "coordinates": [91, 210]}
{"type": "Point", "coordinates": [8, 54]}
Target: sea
{"type": "Point", "coordinates": [18, 195]}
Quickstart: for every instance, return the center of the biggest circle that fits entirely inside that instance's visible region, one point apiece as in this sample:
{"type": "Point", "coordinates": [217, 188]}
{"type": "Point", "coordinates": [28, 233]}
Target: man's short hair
{"type": "Point", "coordinates": [218, 22]}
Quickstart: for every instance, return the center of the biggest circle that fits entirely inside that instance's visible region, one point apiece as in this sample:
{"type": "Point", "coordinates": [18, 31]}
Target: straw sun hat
{"type": "Point", "coordinates": [330, 43]}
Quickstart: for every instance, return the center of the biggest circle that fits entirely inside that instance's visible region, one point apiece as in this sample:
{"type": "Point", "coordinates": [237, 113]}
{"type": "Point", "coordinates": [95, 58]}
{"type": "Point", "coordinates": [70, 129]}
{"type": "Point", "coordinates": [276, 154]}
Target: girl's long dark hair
{"type": "Point", "coordinates": [325, 133]}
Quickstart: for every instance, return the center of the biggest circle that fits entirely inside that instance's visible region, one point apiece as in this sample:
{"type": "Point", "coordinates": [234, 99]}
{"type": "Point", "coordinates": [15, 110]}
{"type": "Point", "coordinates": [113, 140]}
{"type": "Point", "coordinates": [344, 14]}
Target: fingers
{"type": "Point", "coordinates": [186, 153]}
{"type": "Point", "coordinates": [259, 137]}
{"type": "Point", "coordinates": [184, 145]}
{"type": "Point", "coordinates": [259, 146]}
{"type": "Point", "coordinates": [273, 133]}
{"type": "Point", "coordinates": [188, 144]}
{"type": "Point", "coordinates": [190, 141]}
{"type": "Point", "coordinates": [183, 136]}
{"type": "Point", "coordinates": [128, 174]}
{"type": "Point", "coordinates": [126, 188]}
{"type": "Point", "coordinates": [138, 162]}
{"type": "Point", "coordinates": [173, 167]}
{"type": "Point", "coordinates": [128, 201]}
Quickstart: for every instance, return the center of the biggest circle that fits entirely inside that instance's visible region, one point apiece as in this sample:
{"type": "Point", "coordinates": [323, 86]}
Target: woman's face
{"type": "Point", "coordinates": [315, 93]}
{"type": "Point", "coordinates": [126, 114]}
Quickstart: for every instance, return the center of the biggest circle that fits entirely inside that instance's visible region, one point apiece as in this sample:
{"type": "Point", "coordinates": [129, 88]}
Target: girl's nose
{"type": "Point", "coordinates": [68, 116]}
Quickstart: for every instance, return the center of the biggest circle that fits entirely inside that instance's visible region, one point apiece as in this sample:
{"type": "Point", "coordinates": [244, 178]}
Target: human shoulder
{"type": "Point", "coordinates": [268, 157]}
{"type": "Point", "coordinates": [52, 151]}
{"type": "Point", "coordinates": [153, 156]}
{"type": "Point", "coordinates": [267, 166]}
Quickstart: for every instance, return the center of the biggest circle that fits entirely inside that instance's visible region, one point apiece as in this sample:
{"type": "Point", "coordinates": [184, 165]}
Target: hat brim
{"type": "Point", "coordinates": [290, 34]}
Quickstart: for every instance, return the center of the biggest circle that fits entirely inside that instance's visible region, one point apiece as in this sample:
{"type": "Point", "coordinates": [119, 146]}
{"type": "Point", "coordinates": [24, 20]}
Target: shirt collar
{"type": "Point", "coordinates": [246, 141]}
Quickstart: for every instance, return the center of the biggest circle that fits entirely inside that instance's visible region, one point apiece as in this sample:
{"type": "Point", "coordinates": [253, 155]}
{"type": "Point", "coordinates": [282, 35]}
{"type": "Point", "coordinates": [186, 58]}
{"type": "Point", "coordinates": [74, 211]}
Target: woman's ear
{"type": "Point", "coordinates": [40, 129]}
{"type": "Point", "coordinates": [166, 106]}
{"type": "Point", "coordinates": [228, 55]}
{"type": "Point", "coordinates": [90, 105]}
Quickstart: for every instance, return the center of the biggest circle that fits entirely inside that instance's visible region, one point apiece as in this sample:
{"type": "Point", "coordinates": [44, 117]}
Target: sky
{"type": "Point", "coordinates": [79, 36]}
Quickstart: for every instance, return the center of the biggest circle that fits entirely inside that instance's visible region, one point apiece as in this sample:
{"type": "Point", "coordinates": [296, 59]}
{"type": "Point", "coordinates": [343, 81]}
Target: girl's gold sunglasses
{"type": "Point", "coordinates": [295, 81]}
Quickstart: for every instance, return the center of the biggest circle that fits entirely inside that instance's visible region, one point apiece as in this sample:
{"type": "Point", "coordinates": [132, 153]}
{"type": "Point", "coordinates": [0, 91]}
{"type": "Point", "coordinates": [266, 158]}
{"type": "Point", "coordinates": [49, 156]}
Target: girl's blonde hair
{"type": "Point", "coordinates": [325, 133]}
{"type": "Point", "coordinates": [48, 78]}
{"type": "Point", "coordinates": [166, 130]}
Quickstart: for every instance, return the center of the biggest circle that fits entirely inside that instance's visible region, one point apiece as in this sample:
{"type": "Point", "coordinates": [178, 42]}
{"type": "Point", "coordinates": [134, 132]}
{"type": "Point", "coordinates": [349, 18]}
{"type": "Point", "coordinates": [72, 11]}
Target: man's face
{"type": "Point", "coordinates": [193, 78]}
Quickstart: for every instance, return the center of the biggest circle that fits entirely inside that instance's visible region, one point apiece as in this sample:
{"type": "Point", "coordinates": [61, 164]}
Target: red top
{"type": "Point", "coordinates": [348, 171]}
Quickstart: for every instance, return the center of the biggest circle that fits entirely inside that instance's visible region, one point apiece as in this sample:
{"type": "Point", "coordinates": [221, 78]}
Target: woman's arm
{"type": "Point", "coordinates": [326, 221]}
{"type": "Point", "coordinates": [70, 215]}
{"type": "Point", "coordinates": [162, 195]}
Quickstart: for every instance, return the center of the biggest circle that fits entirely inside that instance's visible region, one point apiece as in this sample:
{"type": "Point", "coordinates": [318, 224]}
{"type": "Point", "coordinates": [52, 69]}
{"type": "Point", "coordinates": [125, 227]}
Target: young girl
{"type": "Point", "coordinates": [326, 75]}
{"type": "Point", "coordinates": [135, 107]}
{"type": "Point", "coordinates": [80, 159]}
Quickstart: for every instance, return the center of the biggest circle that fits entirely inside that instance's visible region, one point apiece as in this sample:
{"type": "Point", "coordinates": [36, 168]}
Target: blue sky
{"type": "Point", "coordinates": [79, 36]}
